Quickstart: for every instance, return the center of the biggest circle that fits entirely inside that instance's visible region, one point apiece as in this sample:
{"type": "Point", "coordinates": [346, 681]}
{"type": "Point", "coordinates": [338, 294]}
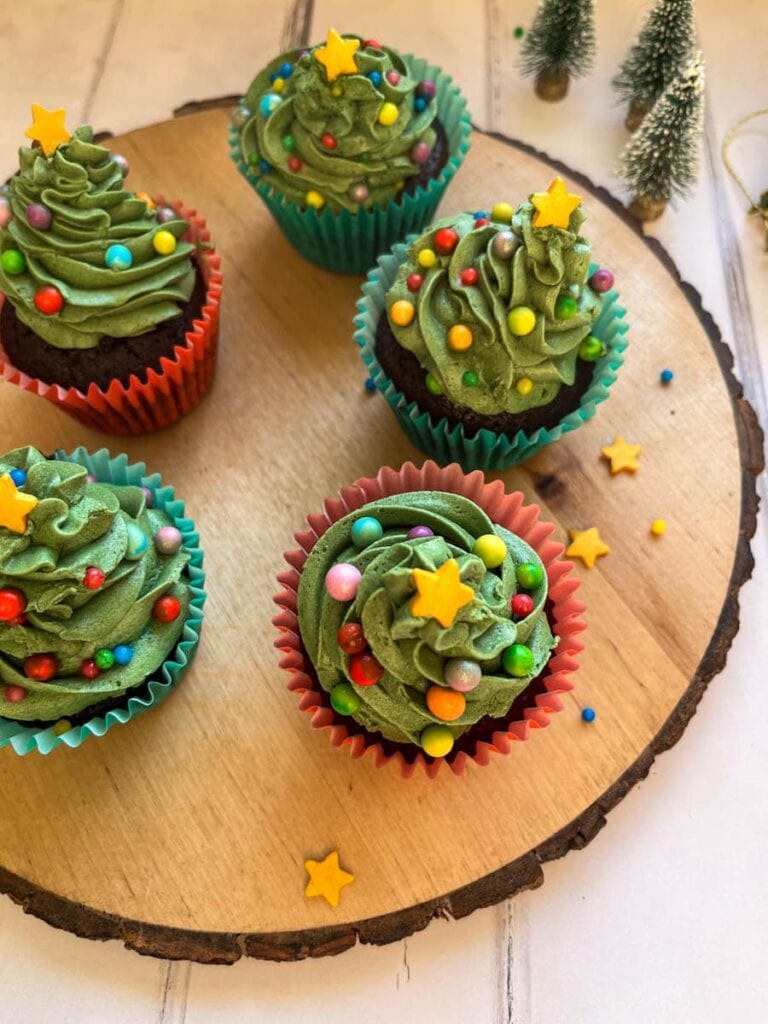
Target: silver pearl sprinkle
{"type": "Point", "coordinates": [122, 163]}
{"type": "Point", "coordinates": [358, 193]}
{"type": "Point", "coordinates": [240, 115]}
{"type": "Point", "coordinates": [504, 245]}
{"type": "Point", "coordinates": [462, 674]}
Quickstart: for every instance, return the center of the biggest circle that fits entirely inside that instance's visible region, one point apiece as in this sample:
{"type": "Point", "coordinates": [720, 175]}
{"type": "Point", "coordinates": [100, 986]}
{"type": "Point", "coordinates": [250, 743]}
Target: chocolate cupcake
{"type": "Point", "coordinates": [493, 334]}
{"type": "Point", "coordinates": [104, 291]}
{"type": "Point", "coordinates": [350, 145]}
{"type": "Point", "coordinates": [98, 589]}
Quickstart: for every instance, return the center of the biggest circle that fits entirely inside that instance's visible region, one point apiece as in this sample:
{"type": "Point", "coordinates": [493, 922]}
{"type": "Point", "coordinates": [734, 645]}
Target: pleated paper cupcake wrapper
{"type": "Point", "coordinates": [25, 738]}
{"type": "Point", "coordinates": [508, 510]}
{"type": "Point", "coordinates": [485, 450]}
{"type": "Point", "coordinates": [167, 394]}
{"type": "Point", "coordinates": [349, 243]}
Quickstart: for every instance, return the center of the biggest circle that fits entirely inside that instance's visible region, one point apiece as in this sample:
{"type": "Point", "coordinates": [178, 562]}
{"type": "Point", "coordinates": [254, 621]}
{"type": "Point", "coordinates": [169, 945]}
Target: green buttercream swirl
{"type": "Point", "coordinates": [366, 152]}
{"type": "Point", "coordinates": [546, 263]}
{"type": "Point", "coordinates": [82, 185]}
{"type": "Point", "coordinates": [78, 524]}
{"type": "Point", "coordinates": [413, 649]}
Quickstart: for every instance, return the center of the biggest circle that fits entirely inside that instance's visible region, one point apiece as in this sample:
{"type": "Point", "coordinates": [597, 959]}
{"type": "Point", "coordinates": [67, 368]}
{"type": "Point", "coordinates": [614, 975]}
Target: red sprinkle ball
{"type": "Point", "coordinates": [19, 620]}
{"type": "Point", "coordinates": [41, 667]}
{"type": "Point", "coordinates": [294, 164]}
{"type": "Point", "coordinates": [89, 669]}
{"type": "Point", "coordinates": [166, 609]}
{"type": "Point", "coordinates": [12, 603]}
{"type": "Point", "coordinates": [15, 694]}
{"type": "Point", "coordinates": [446, 241]}
{"type": "Point", "coordinates": [365, 670]}
{"type": "Point", "coordinates": [469, 276]}
{"type": "Point", "coordinates": [374, 44]}
{"type": "Point", "coordinates": [482, 222]}
{"type": "Point", "coordinates": [94, 578]}
{"type": "Point", "coordinates": [351, 639]}
{"type": "Point", "coordinates": [522, 605]}
{"type": "Point", "coordinates": [328, 141]}
{"type": "Point", "coordinates": [49, 300]}
{"type": "Point", "coordinates": [414, 282]}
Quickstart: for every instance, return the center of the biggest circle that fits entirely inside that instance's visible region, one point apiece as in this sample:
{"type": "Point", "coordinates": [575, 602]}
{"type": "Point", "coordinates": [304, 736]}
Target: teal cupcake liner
{"type": "Point", "coordinates": [23, 738]}
{"type": "Point", "coordinates": [486, 450]}
{"type": "Point", "coordinates": [349, 243]}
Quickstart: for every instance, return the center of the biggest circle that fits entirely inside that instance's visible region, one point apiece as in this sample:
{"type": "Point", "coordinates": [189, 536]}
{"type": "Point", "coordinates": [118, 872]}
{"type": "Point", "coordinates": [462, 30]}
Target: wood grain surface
{"type": "Point", "coordinates": [184, 834]}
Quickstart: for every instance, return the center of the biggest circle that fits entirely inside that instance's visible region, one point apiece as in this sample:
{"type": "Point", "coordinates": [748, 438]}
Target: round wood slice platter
{"type": "Point", "coordinates": [184, 834]}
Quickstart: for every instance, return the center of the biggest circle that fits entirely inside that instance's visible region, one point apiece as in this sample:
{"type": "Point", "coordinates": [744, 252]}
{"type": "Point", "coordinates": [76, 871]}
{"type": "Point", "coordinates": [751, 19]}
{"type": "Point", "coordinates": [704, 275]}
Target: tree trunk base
{"type": "Point", "coordinates": [552, 85]}
{"type": "Point", "coordinates": [635, 115]}
{"type": "Point", "coordinates": [645, 209]}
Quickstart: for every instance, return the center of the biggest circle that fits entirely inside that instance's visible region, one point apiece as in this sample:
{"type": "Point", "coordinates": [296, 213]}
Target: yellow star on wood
{"type": "Point", "coordinates": [555, 206]}
{"type": "Point", "coordinates": [587, 545]}
{"type": "Point", "coordinates": [15, 506]}
{"type": "Point", "coordinates": [326, 878]}
{"type": "Point", "coordinates": [440, 594]}
{"type": "Point", "coordinates": [47, 128]}
{"type": "Point", "coordinates": [622, 456]}
{"type": "Point", "coordinates": [338, 55]}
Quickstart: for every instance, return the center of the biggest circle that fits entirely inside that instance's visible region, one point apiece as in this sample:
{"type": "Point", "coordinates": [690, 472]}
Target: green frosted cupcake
{"type": "Point", "coordinates": [493, 334]}
{"type": "Point", "coordinates": [98, 593]}
{"type": "Point", "coordinates": [350, 145]}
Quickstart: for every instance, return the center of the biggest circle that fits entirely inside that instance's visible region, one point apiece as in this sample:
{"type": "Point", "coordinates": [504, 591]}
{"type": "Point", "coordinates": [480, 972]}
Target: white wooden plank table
{"type": "Point", "coordinates": [664, 917]}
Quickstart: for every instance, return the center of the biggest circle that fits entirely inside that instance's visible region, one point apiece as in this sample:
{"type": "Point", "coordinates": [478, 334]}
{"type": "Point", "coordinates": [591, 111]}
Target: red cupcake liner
{"type": "Point", "coordinates": [168, 393]}
{"type": "Point", "coordinates": [564, 611]}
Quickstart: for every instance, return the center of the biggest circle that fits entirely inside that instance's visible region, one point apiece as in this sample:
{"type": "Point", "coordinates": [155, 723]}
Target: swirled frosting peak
{"type": "Point", "coordinates": [80, 580]}
{"type": "Point", "coordinates": [80, 256]}
{"type": "Point", "coordinates": [498, 311]}
{"type": "Point", "coordinates": [406, 612]}
{"type": "Point", "coordinates": [342, 125]}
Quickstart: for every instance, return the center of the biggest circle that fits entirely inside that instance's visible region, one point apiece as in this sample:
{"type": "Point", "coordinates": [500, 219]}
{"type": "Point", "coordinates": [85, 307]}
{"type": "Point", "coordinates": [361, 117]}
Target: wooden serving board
{"type": "Point", "coordinates": [184, 834]}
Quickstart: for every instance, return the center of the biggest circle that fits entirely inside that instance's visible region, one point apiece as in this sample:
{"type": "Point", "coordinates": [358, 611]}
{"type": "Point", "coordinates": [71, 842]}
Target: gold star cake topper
{"type": "Point", "coordinates": [622, 456]}
{"type": "Point", "coordinates": [555, 206]}
{"type": "Point", "coordinates": [338, 55]}
{"type": "Point", "coordinates": [48, 128]}
{"type": "Point", "coordinates": [15, 506]}
{"type": "Point", "coordinates": [587, 545]}
{"type": "Point", "coordinates": [326, 878]}
{"type": "Point", "coordinates": [440, 594]}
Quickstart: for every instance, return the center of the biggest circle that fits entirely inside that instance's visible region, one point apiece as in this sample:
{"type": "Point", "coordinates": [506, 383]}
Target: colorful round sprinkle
{"type": "Point", "coordinates": [12, 603]}
{"type": "Point", "coordinates": [414, 282]}
{"type": "Point", "coordinates": [166, 608]}
{"type": "Point", "coordinates": [462, 674]}
{"type": "Point", "coordinates": [591, 349]}
{"type": "Point", "coordinates": [470, 379]}
{"type": "Point", "coordinates": [38, 216]}
{"type": "Point", "coordinates": [420, 152]}
{"type": "Point", "coordinates": [402, 312]}
{"type": "Point", "coordinates": [491, 549]}
{"type": "Point", "coordinates": [459, 338]}
{"type": "Point", "coordinates": [666, 376]}
{"type": "Point", "coordinates": [104, 658]}
{"type": "Point", "coordinates": [388, 114]}
{"type": "Point", "coordinates": [342, 581]}
{"type": "Point", "coordinates": [521, 320]}
{"type": "Point", "coordinates": [94, 578]}
{"type": "Point", "coordinates": [521, 605]}
{"type": "Point", "coordinates": [365, 531]}
{"type": "Point", "coordinates": [137, 542]}
{"type": "Point", "coordinates": [502, 213]}
{"type": "Point", "coordinates": [446, 240]}
{"type": "Point", "coordinates": [393, 77]}
{"type": "Point", "coordinates": [123, 654]}
{"type": "Point", "coordinates": [118, 257]}
{"type": "Point", "coordinates": [164, 243]}
{"type": "Point", "coordinates": [504, 245]}
{"type": "Point", "coordinates": [518, 660]}
{"type": "Point", "coordinates": [269, 102]}
{"type": "Point", "coordinates": [328, 141]}
{"type": "Point", "coordinates": [351, 638]}
{"type": "Point", "coordinates": [89, 669]}
{"type": "Point", "coordinates": [658, 527]}
{"type": "Point", "coordinates": [370, 384]}
{"type": "Point", "coordinates": [15, 694]}
{"type": "Point", "coordinates": [41, 667]}
{"type": "Point", "coordinates": [365, 670]}
{"type": "Point", "coordinates": [168, 540]}
{"type": "Point", "coordinates": [588, 714]}
{"type": "Point", "coordinates": [122, 161]}
{"type": "Point", "coordinates": [314, 199]}
{"type": "Point", "coordinates": [524, 386]}
{"type": "Point", "coordinates": [566, 307]}
{"type": "Point", "coordinates": [12, 261]}
{"type": "Point", "coordinates": [436, 740]}
{"type": "Point", "coordinates": [469, 276]}
{"type": "Point", "coordinates": [358, 192]}
{"type": "Point", "coordinates": [49, 300]}
{"type": "Point", "coordinates": [601, 281]}
{"type": "Point", "coordinates": [375, 77]}
{"type": "Point", "coordinates": [419, 531]}
{"type": "Point", "coordinates": [529, 575]}
{"type": "Point", "coordinates": [426, 258]}
{"type": "Point", "coordinates": [19, 477]}
{"type": "Point", "coordinates": [445, 703]}
{"type": "Point", "coordinates": [344, 699]}
{"type": "Point", "coordinates": [5, 212]}
{"type": "Point", "coordinates": [433, 385]}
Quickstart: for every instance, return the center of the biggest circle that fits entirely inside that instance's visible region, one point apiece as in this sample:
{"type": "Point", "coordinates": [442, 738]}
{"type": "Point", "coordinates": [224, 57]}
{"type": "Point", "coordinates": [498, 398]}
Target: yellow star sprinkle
{"type": "Point", "coordinates": [326, 878]}
{"type": "Point", "coordinates": [555, 206]}
{"type": "Point", "coordinates": [338, 55]}
{"type": "Point", "coordinates": [587, 545]}
{"type": "Point", "coordinates": [47, 128]}
{"type": "Point", "coordinates": [15, 506]}
{"type": "Point", "coordinates": [440, 594]}
{"type": "Point", "coordinates": [622, 456]}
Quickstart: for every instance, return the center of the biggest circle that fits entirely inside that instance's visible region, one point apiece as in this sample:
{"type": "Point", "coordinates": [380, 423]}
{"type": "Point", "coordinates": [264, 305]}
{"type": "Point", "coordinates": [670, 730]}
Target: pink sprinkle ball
{"type": "Point", "coordinates": [92, 479]}
{"type": "Point", "coordinates": [342, 581]}
{"type": "Point", "coordinates": [601, 281]}
{"type": "Point", "coordinates": [420, 152]}
{"type": "Point", "coordinates": [168, 540]}
{"type": "Point", "coordinates": [39, 216]}
{"type": "Point", "coordinates": [15, 694]}
{"type": "Point", "coordinates": [5, 212]}
{"type": "Point", "coordinates": [420, 531]}
{"type": "Point", "coordinates": [393, 77]}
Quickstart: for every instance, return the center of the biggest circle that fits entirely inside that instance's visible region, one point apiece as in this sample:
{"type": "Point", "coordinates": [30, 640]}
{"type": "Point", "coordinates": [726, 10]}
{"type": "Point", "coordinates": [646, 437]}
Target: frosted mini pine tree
{"type": "Point", "coordinates": [559, 46]}
{"type": "Point", "coordinates": [661, 160]}
{"type": "Point", "coordinates": [662, 51]}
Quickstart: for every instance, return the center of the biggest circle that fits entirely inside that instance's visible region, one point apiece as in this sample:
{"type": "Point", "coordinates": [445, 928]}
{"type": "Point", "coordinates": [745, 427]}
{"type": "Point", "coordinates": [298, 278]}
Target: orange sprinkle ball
{"type": "Point", "coordinates": [445, 704]}
{"type": "Point", "coordinates": [145, 197]}
{"type": "Point", "coordinates": [459, 337]}
{"type": "Point", "coordinates": [401, 312]}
